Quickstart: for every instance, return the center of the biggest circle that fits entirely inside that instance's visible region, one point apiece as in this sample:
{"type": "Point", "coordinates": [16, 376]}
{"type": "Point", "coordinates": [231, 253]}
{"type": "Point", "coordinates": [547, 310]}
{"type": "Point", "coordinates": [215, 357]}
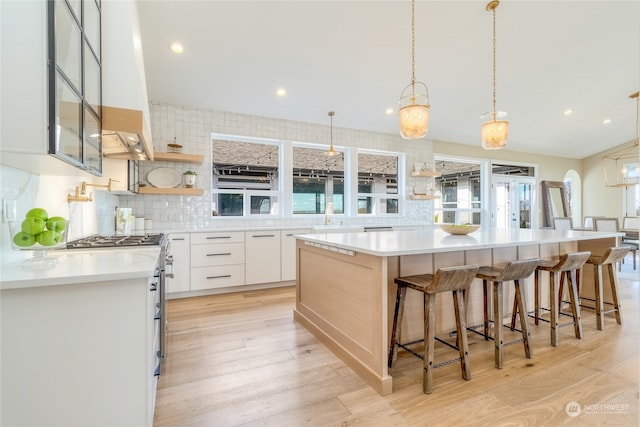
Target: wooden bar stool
{"type": "Point", "coordinates": [448, 279]}
{"type": "Point", "coordinates": [567, 266]}
{"type": "Point", "coordinates": [609, 259]}
{"type": "Point", "coordinates": [514, 271]}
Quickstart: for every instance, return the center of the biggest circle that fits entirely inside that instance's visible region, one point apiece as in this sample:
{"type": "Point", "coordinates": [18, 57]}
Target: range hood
{"type": "Point", "coordinates": [125, 134]}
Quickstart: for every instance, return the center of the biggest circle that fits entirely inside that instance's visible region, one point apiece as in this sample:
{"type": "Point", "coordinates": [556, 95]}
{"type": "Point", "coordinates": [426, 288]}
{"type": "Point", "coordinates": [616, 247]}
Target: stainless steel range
{"type": "Point", "coordinates": [159, 284]}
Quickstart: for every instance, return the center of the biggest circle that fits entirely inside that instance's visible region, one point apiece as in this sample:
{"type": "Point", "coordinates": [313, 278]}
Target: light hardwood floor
{"type": "Point", "coordinates": [241, 359]}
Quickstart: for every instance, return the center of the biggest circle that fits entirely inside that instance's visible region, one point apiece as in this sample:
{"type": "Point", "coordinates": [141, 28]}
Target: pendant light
{"type": "Point", "coordinates": [494, 132]}
{"type": "Point", "coordinates": [414, 106]}
{"type": "Point", "coordinates": [616, 164]}
{"type": "Point", "coordinates": [331, 152]}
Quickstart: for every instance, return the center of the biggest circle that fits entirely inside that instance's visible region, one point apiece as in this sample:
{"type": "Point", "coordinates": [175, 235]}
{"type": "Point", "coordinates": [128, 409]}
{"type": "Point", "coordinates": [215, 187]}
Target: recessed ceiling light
{"type": "Point", "coordinates": [568, 112]}
{"type": "Point", "coordinates": [388, 111]}
{"type": "Point", "coordinates": [177, 47]}
{"type": "Point", "coordinates": [281, 92]}
{"type": "Point", "coordinates": [606, 121]}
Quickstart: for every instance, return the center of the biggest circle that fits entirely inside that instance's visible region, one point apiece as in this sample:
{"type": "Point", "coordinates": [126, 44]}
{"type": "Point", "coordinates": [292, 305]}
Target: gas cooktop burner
{"type": "Point", "coordinates": [116, 241]}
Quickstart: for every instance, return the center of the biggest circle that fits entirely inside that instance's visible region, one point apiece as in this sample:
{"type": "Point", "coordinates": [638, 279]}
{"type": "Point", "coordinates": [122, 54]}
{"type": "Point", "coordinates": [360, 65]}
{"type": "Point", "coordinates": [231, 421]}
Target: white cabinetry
{"type": "Point", "coordinates": [83, 353]}
{"type": "Point", "coordinates": [180, 248]}
{"type": "Point", "coordinates": [288, 252]}
{"type": "Point", "coordinates": [262, 256]}
{"type": "Point", "coordinates": [217, 260]}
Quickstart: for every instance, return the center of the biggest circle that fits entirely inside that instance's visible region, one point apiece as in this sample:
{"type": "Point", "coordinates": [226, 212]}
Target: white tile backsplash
{"type": "Point", "coordinates": [192, 128]}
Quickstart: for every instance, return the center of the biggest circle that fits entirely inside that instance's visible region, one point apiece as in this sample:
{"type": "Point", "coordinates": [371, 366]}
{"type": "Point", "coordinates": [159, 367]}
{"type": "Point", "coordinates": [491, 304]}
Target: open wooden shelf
{"type": "Point", "coordinates": [177, 157]}
{"type": "Point", "coordinates": [426, 173]}
{"type": "Point", "coordinates": [423, 197]}
{"type": "Point", "coordinates": [176, 191]}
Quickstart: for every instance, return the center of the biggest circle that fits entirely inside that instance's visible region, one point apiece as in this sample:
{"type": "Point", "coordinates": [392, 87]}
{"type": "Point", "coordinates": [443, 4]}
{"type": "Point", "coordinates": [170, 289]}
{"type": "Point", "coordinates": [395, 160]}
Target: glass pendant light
{"type": "Point", "coordinates": [331, 151]}
{"type": "Point", "coordinates": [494, 132]}
{"type": "Point", "coordinates": [414, 106]}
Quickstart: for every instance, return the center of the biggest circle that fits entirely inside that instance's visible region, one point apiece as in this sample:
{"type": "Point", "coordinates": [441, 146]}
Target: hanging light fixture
{"type": "Point", "coordinates": [414, 106]}
{"type": "Point", "coordinates": [622, 167]}
{"type": "Point", "coordinates": [331, 151]}
{"type": "Point", "coordinates": [494, 132]}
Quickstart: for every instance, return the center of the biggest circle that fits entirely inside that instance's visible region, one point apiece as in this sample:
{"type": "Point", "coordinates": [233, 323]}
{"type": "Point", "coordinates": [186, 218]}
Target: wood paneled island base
{"type": "Point", "coordinates": [345, 290]}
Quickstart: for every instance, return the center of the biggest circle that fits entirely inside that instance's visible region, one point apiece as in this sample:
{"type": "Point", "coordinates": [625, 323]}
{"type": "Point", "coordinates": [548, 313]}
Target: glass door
{"type": "Point", "coordinates": [514, 202]}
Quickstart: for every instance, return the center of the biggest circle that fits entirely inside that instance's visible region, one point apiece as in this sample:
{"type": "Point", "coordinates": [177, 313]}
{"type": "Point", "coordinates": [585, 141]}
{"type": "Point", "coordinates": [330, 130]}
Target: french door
{"type": "Point", "coordinates": [514, 202]}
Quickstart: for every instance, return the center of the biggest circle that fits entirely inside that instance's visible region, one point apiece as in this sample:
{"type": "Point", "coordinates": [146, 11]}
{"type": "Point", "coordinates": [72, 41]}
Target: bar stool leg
{"type": "Point", "coordinates": [536, 296]}
{"type": "Point", "coordinates": [485, 297]}
{"type": "Point", "coordinates": [553, 303]}
{"type": "Point", "coordinates": [397, 325]}
{"type": "Point", "coordinates": [614, 292]}
{"type": "Point", "coordinates": [597, 278]}
{"type": "Point", "coordinates": [522, 310]}
{"type": "Point", "coordinates": [461, 325]}
{"type": "Point", "coordinates": [575, 302]}
{"type": "Point", "coordinates": [498, 333]}
{"type": "Point", "coordinates": [429, 341]}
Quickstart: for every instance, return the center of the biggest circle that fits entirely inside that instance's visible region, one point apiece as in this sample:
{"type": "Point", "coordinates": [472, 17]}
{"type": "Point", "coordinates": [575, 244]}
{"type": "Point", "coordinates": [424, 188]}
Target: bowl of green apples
{"type": "Point", "coordinates": [39, 232]}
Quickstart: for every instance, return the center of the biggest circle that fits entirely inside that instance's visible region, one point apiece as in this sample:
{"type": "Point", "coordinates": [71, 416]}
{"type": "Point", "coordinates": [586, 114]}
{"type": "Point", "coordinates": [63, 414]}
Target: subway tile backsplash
{"type": "Point", "coordinates": [192, 128]}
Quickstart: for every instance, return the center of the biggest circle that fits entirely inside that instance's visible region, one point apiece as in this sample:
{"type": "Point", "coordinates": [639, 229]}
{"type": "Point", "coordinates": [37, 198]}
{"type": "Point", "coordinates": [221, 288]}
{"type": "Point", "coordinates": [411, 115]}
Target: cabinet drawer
{"type": "Point", "coordinates": [218, 237]}
{"type": "Point", "coordinates": [215, 254]}
{"type": "Point", "coordinates": [217, 277]}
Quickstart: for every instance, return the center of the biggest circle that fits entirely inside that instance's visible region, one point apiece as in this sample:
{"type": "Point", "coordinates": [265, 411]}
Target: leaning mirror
{"type": "Point", "coordinates": [554, 201]}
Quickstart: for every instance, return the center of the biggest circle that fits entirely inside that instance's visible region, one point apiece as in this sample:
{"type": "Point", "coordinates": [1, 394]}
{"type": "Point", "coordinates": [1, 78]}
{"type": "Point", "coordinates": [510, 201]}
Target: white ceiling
{"type": "Point", "coordinates": [353, 57]}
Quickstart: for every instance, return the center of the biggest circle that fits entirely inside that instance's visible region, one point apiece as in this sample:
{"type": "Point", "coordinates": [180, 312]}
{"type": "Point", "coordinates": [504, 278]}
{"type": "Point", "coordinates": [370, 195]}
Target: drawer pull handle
{"type": "Point", "coordinates": [264, 235]}
{"type": "Point", "coordinates": [178, 238]}
{"type": "Point", "coordinates": [226, 253]}
{"type": "Point", "coordinates": [219, 277]}
{"type": "Point", "coordinates": [218, 237]}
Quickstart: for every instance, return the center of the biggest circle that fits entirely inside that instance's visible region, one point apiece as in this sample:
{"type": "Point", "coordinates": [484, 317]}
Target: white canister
{"type": "Point", "coordinates": [148, 224]}
{"type": "Point", "coordinates": [139, 223]}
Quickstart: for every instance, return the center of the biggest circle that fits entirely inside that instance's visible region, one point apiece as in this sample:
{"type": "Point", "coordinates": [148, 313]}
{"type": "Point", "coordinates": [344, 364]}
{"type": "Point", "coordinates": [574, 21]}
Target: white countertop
{"type": "Point", "coordinates": [393, 243]}
{"type": "Point", "coordinates": [81, 266]}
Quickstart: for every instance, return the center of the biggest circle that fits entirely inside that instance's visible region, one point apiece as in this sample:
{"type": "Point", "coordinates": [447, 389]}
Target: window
{"type": "Point", "coordinates": [317, 180]}
{"type": "Point", "coordinates": [245, 176]}
{"type": "Point", "coordinates": [378, 183]}
{"type": "Point", "coordinates": [460, 186]}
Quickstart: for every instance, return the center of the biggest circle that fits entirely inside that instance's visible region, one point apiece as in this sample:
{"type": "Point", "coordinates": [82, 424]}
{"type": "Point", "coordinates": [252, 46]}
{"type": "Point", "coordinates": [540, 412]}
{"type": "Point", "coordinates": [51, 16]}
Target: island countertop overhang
{"type": "Point", "coordinates": [398, 243]}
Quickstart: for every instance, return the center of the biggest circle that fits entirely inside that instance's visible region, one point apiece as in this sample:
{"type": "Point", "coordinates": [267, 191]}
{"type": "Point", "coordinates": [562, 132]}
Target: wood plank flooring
{"type": "Point", "coordinates": [241, 360]}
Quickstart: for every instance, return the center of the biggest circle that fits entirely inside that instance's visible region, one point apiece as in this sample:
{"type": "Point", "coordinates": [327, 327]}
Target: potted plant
{"type": "Point", "coordinates": [190, 178]}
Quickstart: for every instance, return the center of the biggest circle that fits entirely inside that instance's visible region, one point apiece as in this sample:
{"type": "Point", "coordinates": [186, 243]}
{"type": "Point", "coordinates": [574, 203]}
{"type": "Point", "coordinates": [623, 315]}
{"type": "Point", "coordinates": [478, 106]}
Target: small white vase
{"type": "Point", "coordinates": [189, 181]}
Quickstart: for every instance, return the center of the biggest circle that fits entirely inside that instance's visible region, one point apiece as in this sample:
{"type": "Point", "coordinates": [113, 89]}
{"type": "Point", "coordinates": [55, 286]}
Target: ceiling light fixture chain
{"type": "Point", "coordinates": [494, 132]}
{"type": "Point", "coordinates": [414, 107]}
{"type": "Point", "coordinates": [332, 152]}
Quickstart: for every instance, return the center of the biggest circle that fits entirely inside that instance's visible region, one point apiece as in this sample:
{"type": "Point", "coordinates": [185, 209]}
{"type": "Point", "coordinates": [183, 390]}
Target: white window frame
{"type": "Point", "coordinates": [378, 197]}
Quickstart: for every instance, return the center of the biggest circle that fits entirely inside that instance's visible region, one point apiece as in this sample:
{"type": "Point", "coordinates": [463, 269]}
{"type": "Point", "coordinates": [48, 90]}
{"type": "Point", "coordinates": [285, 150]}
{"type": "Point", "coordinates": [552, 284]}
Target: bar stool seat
{"type": "Point", "coordinates": [566, 266]}
{"type": "Point", "coordinates": [447, 279]}
{"type": "Point", "coordinates": [514, 271]}
{"type": "Point", "coordinates": [610, 257]}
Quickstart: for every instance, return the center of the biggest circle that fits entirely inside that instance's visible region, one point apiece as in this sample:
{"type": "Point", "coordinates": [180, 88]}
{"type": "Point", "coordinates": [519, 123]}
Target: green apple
{"type": "Point", "coordinates": [32, 225]}
{"type": "Point", "coordinates": [23, 239]}
{"type": "Point", "coordinates": [56, 223]}
{"type": "Point", "coordinates": [49, 238]}
{"type": "Point", "coordinates": [37, 213]}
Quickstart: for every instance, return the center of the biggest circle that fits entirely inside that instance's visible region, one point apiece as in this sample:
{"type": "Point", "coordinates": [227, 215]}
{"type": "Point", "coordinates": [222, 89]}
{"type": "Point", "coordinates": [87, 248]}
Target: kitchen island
{"type": "Point", "coordinates": [345, 291]}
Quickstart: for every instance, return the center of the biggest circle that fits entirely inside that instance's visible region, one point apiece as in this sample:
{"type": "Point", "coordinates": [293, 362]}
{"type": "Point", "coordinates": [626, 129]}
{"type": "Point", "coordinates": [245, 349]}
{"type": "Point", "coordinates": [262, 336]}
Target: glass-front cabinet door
{"type": "Point", "coordinates": [75, 82]}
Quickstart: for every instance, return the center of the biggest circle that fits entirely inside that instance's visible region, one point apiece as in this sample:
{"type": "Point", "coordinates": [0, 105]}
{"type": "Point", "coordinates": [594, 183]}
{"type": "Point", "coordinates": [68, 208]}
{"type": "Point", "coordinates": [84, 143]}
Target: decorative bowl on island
{"type": "Point", "coordinates": [459, 229]}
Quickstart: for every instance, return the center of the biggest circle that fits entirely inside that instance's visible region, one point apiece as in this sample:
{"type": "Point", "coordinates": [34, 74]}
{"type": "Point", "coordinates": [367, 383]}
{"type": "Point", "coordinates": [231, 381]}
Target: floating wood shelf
{"type": "Point", "coordinates": [426, 173]}
{"type": "Point", "coordinates": [177, 157]}
{"type": "Point", "coordinates": [423, 197]}
{"type": "Point", "coordinates": [176, 191]}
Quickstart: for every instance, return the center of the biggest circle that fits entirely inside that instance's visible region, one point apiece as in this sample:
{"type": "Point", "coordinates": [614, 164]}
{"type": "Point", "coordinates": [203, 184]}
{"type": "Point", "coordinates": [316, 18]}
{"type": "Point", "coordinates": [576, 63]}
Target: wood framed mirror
{"type": "Point", "coordinates": [555, 202]}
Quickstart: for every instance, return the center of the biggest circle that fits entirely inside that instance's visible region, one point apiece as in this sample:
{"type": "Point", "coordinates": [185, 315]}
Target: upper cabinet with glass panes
{"type": "Point", "coordinates": [75, 76]}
